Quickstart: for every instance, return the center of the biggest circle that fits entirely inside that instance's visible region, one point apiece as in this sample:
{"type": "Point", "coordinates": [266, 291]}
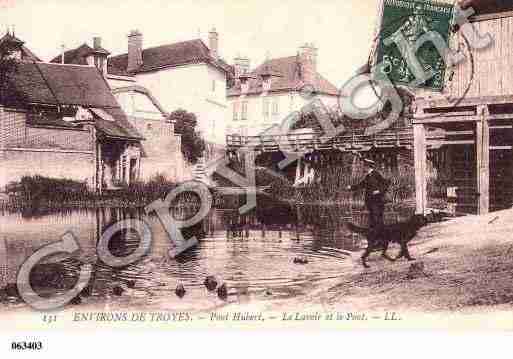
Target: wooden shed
{"type": "Point", "coordinates": [474, 119]}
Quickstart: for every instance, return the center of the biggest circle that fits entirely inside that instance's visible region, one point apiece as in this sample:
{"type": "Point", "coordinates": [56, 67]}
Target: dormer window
{"type": "Point", "coordinates": [99, 62]}
{"type": "Point", "coordinates": [266, 84]}
{"type": "Point", "coordinates": [244, 87]}
{"type": "Point", "coordinates": [266, 80]}
{"type": "Point", "coordinates": [100, 56]}
{"type": "Point", "coordinates": [16, 55]}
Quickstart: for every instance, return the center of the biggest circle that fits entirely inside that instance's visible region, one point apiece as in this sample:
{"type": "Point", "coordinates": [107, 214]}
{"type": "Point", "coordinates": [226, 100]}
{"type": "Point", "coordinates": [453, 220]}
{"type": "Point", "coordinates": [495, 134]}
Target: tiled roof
{"type": "Point", "coordinates": [487, 6]}
{"type": "Point", "coordinates": [121, 128]}
{"type": "Point", "coordinates": [56, 84]}
{"type": "Point", "coordinates": [78, 56]}
{"type": "Point", "coordinates": [180, 53]}
{"type": "Point", "coordinates": [8, 38]}
{"type": "Point", "coordinates": [286, 75]}
{"type": "Point", "coordinates": [26, 53]}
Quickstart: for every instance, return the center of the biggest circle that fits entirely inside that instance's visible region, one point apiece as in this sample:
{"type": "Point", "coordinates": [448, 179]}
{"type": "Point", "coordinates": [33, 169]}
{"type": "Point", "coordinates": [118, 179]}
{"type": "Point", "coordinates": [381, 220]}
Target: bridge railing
{"type": "Point", "coordinates": [302, 140]}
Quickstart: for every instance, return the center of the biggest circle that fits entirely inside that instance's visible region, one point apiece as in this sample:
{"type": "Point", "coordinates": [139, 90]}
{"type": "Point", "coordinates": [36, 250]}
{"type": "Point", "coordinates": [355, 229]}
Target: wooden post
{"type": "Point", "coordinates": [298, 172]}
{"type": "Point", "coordinates": [483, 160]}
{"type": "Point", "coordinates": [419, 147]}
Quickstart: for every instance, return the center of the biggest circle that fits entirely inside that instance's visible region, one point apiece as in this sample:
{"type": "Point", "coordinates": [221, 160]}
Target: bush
{"type": "Point", "coordinates": [32, 190]}
{"type": "Point", "coordinates": [156, 187]}
{"type": "Point", "coordinates": [39, 188]}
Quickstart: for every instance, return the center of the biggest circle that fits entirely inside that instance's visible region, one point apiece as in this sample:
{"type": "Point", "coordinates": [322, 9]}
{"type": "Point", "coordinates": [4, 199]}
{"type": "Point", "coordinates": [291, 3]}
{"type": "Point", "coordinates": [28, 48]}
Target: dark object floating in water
{"type": "Point", "coordinates": [87, 291]}
{"type": "Point", "coordinates": [11, 290]}
{"type": "Point", "coordinates": [76, 301]}
{"type": "Point", "coordinates": [117, 290]}
{"type": "Point", "coordinates": [180, 290]}
{"type": "Point", "coordinates": [211, 283]}
{"type": "Point", "coordinates": [268, 292]}
{"type": "Point", "coordinates": [130, 283]}
{"type": "Point", "coordinates": [222, 291]}
{"type": "Point", "coordinates": [298, 260]}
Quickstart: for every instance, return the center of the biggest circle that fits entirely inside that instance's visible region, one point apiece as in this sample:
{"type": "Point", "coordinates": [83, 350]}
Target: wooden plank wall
{"type": "Point", "coordinates": [492, 75]}
{"type": "Point", "coordinates": [485, 72]}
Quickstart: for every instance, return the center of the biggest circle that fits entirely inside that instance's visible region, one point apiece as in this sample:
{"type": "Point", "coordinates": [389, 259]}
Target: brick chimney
{"type": "Point", "coordinates": [97, 42]}
{"type": "Point", "coordinates": [135, 43]}
{"type": "Point", "coordinates": [100, 56]}
{"type": "Point", "coordinates": [213, 43]}
{"type": "Point", "coordinates": [308, 58]}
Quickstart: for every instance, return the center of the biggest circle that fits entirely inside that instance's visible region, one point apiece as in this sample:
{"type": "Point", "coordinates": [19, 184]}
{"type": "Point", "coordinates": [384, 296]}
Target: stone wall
{"type": "Point", "coordinates": [16, 163]}
{"type": "Point", "coordinates": [162, 149]}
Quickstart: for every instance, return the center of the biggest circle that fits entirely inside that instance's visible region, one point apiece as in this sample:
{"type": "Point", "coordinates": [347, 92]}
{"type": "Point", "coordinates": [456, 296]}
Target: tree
{"type": "Point", "coordinates": [185, 125]}
{"type": "Point", "coordinates": [8, 67]}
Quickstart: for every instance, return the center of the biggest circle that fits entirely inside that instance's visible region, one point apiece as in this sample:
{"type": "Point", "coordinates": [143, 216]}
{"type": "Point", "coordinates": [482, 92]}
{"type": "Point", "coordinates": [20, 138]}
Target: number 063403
{"type": "Point", "coordinates": [26, 346]}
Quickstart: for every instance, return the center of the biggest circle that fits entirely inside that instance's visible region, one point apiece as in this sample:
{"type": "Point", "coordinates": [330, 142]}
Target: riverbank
{"type": "Point", "coordinates": [463, 265]}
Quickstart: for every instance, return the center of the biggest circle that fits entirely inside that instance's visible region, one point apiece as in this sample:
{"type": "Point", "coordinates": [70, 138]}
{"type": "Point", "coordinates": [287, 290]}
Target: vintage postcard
{"type": "Point", "coordinates": [222, 164]}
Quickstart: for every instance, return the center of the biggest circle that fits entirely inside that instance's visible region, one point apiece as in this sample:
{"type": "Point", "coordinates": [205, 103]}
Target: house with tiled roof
{"type": "Point", "coordinates": [62, 121]}
{"type": "Point", "coordinates": [85, 55]}
{"type": "Point", "coordinates": [145, 112]}
{"type": "Point", "coordinates": [184, 75]}
{"type": "Point", "coordinates": [188, 75]}
{"type": "Point", "coordinates": [264, 96]}
{"type": "Point", "coordinates": [17, 48]}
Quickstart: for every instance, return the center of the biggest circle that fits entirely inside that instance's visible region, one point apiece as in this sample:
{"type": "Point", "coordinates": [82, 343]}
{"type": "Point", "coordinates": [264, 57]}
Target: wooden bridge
{"type": "Point", "coordinates": [308, 140]}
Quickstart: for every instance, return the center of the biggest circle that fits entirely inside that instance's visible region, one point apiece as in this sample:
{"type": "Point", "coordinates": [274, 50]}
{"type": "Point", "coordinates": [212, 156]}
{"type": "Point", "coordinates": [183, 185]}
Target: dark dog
{"type": "Point", "coordinates": [400, 233]}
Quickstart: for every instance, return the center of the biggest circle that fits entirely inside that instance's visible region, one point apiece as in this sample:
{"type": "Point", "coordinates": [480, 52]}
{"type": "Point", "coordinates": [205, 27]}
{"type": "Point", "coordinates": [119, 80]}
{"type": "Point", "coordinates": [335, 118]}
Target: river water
{"type": "Point", "coordinates": [252, 254]}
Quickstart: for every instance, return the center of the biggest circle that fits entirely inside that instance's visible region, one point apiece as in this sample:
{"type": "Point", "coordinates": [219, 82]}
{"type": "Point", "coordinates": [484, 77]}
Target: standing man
{"type": "Point", "coordinates": [375, 187]}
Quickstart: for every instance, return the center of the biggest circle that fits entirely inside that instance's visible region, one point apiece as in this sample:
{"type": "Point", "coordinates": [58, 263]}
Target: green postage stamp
{"type": "Point", "coordinates": [414, 19]}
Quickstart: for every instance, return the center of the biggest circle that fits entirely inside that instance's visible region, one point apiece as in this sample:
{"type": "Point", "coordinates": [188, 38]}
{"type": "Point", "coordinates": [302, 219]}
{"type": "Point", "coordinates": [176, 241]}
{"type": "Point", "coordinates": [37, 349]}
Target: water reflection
{"type": "Point", "coordinates": [252, 253]}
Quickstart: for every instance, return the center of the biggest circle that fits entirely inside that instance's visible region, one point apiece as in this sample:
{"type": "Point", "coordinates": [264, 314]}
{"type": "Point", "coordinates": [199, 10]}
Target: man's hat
{"type": "Point", "coordinates": [369, 162]}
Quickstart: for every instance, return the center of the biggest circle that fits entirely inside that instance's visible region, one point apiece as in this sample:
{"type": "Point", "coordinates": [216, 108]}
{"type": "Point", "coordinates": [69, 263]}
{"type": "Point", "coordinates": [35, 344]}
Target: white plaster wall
{"type": "Point", "coordinates": [190, 88]}
{"type": "Point", "coordinates": [256, 123]}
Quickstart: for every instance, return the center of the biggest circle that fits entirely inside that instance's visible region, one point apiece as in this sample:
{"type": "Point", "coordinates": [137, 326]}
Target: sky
{"type": "Point", "coordinates": [342, 30]}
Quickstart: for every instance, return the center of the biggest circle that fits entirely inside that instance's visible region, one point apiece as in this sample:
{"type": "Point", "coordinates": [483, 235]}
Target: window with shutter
{"type": "Point", "coordinates": [265, 107]}
{"type": "Point", "coordinates": [235, 110]}
{"type": "Point", "coordinates": [244, 112]}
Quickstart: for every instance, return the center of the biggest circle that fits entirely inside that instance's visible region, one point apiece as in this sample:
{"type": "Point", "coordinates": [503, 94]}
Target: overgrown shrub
{"type": "Point", "coordinates": [39, 188]}
{"type": "Point", "coordinates": [32, 190]}
{"type": "Point", "coordinates": [145, 191]}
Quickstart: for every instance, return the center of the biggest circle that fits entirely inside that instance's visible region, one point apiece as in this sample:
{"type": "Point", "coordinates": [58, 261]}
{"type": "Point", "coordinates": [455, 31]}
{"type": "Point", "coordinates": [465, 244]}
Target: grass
{"type": "Point", "coordinates": [331, 188]}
